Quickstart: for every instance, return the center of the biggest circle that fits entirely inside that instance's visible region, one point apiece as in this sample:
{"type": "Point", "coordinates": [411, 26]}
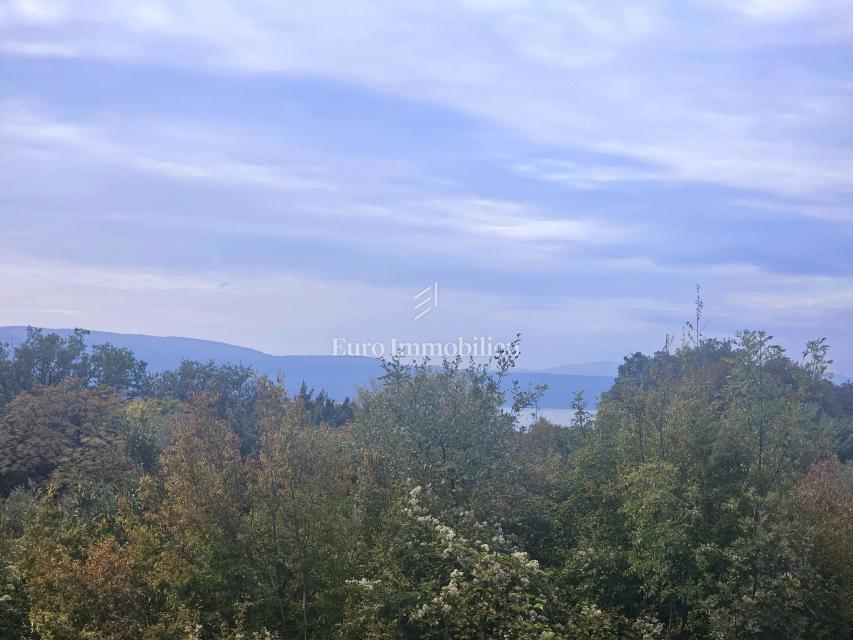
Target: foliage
{"type": "Point", "coordinates": [57, 429]}
{"type": "Point", "coordinates": [708, 497]}
{"type": "Point", "coordinates": [323, 409]}
{"type": "Point", "coordinates": [465, 581]}
{"type": "Point", "coordinates": [46, 359]}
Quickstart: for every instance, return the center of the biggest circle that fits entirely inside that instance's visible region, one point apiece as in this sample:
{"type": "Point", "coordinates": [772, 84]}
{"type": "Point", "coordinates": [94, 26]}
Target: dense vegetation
{"type": "Point", "coordinates": [710, 497]}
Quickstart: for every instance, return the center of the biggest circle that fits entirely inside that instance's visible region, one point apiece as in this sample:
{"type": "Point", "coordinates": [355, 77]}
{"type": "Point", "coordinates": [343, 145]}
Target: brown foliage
{"type": "Point", "coordinates": [55, 429]}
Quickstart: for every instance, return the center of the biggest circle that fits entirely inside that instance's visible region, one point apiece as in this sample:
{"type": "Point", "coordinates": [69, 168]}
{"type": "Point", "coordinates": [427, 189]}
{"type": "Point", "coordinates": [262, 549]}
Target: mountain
{"type": "Point", "coordinates": [340, 376]}
{"type": "Point", "coordinates": [602, 368]}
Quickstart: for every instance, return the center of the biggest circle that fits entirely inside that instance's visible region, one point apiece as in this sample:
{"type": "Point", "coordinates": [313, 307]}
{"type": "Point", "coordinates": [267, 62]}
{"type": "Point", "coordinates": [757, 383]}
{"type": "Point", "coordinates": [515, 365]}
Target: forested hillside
{"type": "Point", "coordinates": [340, 376]}
{"type": "Point", "coordinates": [710, 497]}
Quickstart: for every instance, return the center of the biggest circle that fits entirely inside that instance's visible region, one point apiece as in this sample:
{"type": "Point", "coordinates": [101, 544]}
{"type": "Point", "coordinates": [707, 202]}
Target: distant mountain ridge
{"type": "Point", "coordinates": [340, 376]}
{"type": "Point", "coordinates": [601, 368]}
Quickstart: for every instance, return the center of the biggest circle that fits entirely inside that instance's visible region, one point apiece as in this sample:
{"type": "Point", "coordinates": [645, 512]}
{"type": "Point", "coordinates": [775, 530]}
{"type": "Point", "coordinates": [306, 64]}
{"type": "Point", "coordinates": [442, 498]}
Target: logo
{"type": "Point", "coordinates": [426, 300]}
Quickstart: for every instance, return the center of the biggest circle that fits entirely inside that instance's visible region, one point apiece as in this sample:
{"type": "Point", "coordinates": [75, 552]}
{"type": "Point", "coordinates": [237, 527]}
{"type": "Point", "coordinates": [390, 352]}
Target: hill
{"type": "Point", "coordinates": [340, 376]}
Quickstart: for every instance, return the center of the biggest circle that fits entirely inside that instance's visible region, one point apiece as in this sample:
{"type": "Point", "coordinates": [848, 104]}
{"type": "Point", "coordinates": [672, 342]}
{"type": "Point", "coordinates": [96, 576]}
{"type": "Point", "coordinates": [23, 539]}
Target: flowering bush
{"type": "Point", "coordinates": [461, 581]}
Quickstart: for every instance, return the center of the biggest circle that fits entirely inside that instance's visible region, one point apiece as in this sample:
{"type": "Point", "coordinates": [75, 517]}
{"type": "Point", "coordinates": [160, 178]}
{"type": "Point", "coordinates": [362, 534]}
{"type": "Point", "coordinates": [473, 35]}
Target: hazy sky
{"type": "Point", "coordinates": [277, 174]}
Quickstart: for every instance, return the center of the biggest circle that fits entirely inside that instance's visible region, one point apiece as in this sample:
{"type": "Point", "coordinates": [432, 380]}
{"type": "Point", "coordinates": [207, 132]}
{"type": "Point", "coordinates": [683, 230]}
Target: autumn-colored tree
{"type": "Point", "coordinates": [823, 504]}
{"type": "Point", "coordinates": [202, 561]}
{"type": "Point", "coordinates": [709, 496]}
{"type": "Point", "coordinates": [57, 429]}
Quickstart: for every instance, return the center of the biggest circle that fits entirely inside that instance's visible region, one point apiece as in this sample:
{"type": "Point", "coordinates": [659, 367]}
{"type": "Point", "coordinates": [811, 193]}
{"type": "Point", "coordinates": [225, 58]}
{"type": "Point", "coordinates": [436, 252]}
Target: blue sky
{"type": "Point", "coordinates": [568, 170]}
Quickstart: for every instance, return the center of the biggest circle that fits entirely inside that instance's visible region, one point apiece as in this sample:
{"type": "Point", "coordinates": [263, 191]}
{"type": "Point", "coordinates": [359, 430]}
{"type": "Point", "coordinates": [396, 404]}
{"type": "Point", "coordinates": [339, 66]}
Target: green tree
{"type": "Point", "coordinates": [301, 520]}
{"type": "Point", "coordinates": [435, 580]}
{"type": "Point", "coordinates": [118, 369]}
{"type": "Point", "coordinates": [445, 428]}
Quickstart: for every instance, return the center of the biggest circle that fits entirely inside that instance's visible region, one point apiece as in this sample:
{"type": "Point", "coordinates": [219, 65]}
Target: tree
{"type": "Point", "coordinates": [445, 428]}
{"type": "Point", "coordinates": [42, 360]}
{"type": "Point", "coordinates": [201, 517]}
{"type": "Point", "coordinates": [301, 519]}
{"type": "Point", "coordinates": [708, 497]}
{"type": "Point", "coordinates": [231, 390]}
{"type": "Point", "coordinates": [118, 369]}
{"type": "Point", "coordinates": [436, 580]}
{"type": "Point", "coordinates": [323, 409]}
{"type": "Point", "coordinates": [56, 429]}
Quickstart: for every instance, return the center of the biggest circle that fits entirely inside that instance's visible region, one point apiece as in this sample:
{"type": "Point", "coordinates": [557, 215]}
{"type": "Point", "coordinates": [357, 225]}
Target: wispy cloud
{"type": "Point", "coordinates": [553, 163]}
{"type": "Point", "coordinates": [624, 78]}
{"type": "Point", "coordinates": [824, 211]}
{"type": "Point", "coordinates": [518, 222]}
{"type": "Point", "coordinates": [589, 175]}
{"type": "Point", "coordinates": [184, 152]}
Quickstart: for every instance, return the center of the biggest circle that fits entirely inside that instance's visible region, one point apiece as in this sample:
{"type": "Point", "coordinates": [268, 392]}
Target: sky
{"type": "Point", "coordinates": [280, 174]}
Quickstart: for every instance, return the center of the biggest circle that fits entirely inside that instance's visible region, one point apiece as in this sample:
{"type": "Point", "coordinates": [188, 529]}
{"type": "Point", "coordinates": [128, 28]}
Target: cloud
{"type": "Point", "coordinates": [31, 12]}
{"type": "Point", "coordinates": [293, 312]}
{"type": "Point", "coordinates": [182, 151]}
{"type": "Point", "coordinates": [790, 9]}
{"type": "Point", "coordinates": [363, 208]}
{"type": "Point", "coordinates": [640, 80]}
{"type": "Point", "coordinates": [566, 169]}
{"type": "Point", "coordinates": [589, 175]}
{"type": "Point", "coordinates": [822, 211]}
{"type": "Point", "coordinates": [517, 222]}
{"type": "Point", "coordinates": [37, 49]}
